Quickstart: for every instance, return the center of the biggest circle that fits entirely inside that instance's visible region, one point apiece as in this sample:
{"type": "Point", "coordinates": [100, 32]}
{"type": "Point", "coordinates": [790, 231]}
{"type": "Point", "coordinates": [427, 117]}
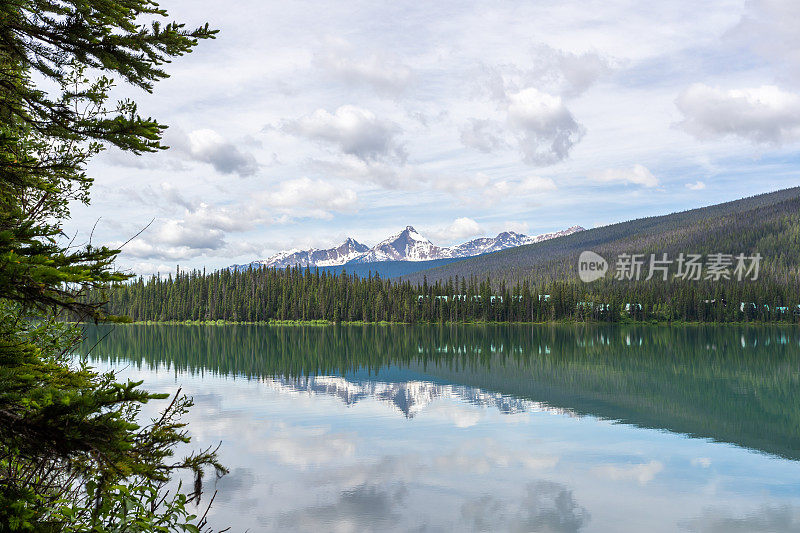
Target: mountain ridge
{"type": "Point", "coordinates": [408, 245]}
{"type": "Point", "coordinates": [767, 223]}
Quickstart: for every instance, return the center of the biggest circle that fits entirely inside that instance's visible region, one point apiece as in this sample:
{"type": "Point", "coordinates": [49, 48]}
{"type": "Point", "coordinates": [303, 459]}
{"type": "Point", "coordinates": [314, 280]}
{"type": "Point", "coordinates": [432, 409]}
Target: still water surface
{"type": "Point", "coordinates": [485, 428]}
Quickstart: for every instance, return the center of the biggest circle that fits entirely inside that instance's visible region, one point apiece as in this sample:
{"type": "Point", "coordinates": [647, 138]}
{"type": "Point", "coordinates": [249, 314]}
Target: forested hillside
{"type": "Point", "coordinates": [530, 283]}
{"type": "Point", "coordinates": [768, 224]}
{"type": "Point", "coordinates": [388, 269]}
{"type": "Point", "coordinates": [299, 294]}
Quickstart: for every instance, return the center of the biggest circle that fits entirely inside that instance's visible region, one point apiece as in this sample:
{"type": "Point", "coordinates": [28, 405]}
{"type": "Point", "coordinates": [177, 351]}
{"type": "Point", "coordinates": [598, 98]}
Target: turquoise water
{"type": "Point", "coordinates": [485, 428]}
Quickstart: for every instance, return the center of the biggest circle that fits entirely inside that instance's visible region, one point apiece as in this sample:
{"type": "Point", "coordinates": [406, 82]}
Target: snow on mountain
{"type": "Point", "coordinates": [408, 245]}
{"type": "Point", "coordinates": [485, 245]}
{"type": "Point", "coordinates": [349, 250]}
{"type": "Point", "coordinates": [553, 235]}
{"type": "Point", "coordinates": [407, 397]}
{"type": "Point", "coordinates": [506, 239]}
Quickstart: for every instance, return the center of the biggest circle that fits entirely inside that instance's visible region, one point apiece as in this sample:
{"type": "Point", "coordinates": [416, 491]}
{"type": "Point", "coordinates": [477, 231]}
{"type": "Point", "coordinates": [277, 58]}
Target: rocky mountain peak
{"type": "Point", "coordinates": [408, 245]}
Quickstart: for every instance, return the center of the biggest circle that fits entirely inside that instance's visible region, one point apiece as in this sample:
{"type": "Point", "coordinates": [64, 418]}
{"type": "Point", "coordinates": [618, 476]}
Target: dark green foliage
{"type": "Point", "coordinates": [388, 269]}
{"type": "Point", "coordinates": [66, 428]}
{"type": "Point", "coordinates": [40, 176]}
{"type": "Point", "coordinates": [261, 295]}
{"type": "Point", "coordinates": [53, 38]}
{"type": "Point", "coordinates": [73, 454]}
{"type": "Point", "coordinates": [46, 137]}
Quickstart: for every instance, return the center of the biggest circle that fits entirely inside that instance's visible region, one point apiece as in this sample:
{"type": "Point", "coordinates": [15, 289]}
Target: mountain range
{"type": "Point", "coordinates": [407, 245]}
{"type": "Point", "coordinates": [767, 223]}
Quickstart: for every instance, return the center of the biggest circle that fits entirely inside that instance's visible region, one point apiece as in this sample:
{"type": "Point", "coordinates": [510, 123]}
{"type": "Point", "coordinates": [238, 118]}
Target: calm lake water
{"type": "Point", "coordinates": [485, 428]}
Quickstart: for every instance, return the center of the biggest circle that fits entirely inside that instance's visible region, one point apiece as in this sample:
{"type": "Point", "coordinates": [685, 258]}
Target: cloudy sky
{"type": "Point", "coordinates": [307, 122]}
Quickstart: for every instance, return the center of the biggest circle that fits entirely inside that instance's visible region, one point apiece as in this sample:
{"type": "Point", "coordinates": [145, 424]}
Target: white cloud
{"type": "Point", "coordinates": [769, 27]}
{"type": "Point", "coordinates": [482, 135]}
{"type": "Point", "coordinates": [143, 249]}
{"type": "Point", "coordinates": [545, 128]}
{"type": "Point", "coordinates": [696, 186]}
{"type": "Point", "coordinates": [305, 197]}
{"type": "Point", "coordinates": [208, 146]}
{"type": "Point", "coordinates": [580, 71]}
{"type": "Point", "coordinates": [533, 184]}
{"type": "Point", "coordinates": [460, 228]}
{"type": "Point", "coordinates": [176, 233]}
{"type": "Point", "coordinates": [173, 195]}
{"type": "Point", "coordinates": [386, 75]}
{"type": "Point", "coordinates": [637, 174]}
{"type": "Point", "coordinates": [704, 462]}
{"type": "Point", "coordinates": [763, 114]}
{"type": "Point", "coordinates": [461, 185]}
{"type": "Point", "coordinates": [226, 218]}
{"type": "Point", "coordinates": [380, 173]}
{"type": "Point", "coordinates": [481, 188]}
{"type": "Point", "coordinates": [643, 473]}
{"type": "Point", "coordinates": [533, 99]}
{"type": "Point", "coordinates": [174, 240]}
{"type": "Point", "coordinates": [540, 124]}
{"type": "Point", "coordinates": [148, 269]}
{"type": "Point", "coordinates": [550, 70]}
{"type": "Point", "coordinates": [562, 72]}
{"type": "Point", "coordinates": [303, 447]}
{"type": "Point", "coordinates": [165, 196]}
{"type": "Point", "coordinates": [201, 230]}
{"type": "Point", "coordinates": [355, 131]}
{"type": "Point", "coordinates": [516, 188]}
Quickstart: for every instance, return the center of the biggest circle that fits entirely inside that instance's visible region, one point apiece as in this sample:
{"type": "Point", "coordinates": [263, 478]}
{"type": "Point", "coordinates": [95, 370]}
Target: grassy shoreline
{"type": "Point", "coordinates": [447, 323]}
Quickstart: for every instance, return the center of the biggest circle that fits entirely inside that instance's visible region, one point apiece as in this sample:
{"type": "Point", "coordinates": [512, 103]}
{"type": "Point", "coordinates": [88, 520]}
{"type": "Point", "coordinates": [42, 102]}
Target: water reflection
{"type": "Point", "coordinates": [544, 506]}
{"type": "Point", "coordinates": [408, 397]}
{"type": "Point", "coordinates": [733, 384]}
{"type": "Point", "coordinates": [782, 519]}
{"type": "Point", "coordinates": [487, 428]}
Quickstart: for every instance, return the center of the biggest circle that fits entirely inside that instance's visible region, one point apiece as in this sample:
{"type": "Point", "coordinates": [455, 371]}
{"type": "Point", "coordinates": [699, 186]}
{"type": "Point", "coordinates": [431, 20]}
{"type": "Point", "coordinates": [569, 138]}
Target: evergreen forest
{"type": "Point", "coordinates": [302, 294]}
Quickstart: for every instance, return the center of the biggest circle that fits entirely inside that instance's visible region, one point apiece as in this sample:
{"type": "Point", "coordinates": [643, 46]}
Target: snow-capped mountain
{"type": "Point", "coordinates": [349, 250]}
{"type": "Point", "coordinates": [408, 245]}
{"type": "Point", "coordinates": [507, 239]}
{"type": "Point", "coordinates": [485, 245]}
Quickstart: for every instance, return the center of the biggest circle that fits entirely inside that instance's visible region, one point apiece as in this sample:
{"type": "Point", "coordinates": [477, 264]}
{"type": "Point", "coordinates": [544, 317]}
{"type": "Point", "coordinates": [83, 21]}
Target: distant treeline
{"type": "Point", "coordinates": [263, 294]}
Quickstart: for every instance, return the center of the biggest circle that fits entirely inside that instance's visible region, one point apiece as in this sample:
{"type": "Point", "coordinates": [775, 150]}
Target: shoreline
{"type": "Point", "coordinates": [322, 323]}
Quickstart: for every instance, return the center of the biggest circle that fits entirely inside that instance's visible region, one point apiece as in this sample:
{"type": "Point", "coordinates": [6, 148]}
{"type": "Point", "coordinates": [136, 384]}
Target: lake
{"type": "Point", "coordinates": [485, 428]}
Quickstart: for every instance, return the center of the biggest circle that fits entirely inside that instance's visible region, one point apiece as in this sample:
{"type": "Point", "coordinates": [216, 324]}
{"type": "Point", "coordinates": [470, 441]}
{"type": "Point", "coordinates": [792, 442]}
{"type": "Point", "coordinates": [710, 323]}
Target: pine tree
{"type": "Point", "coordinates": [66, 432]}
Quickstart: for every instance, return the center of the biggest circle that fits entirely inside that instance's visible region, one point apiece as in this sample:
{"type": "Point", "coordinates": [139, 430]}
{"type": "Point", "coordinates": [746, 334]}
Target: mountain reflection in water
{"type": "Point", "coordinates": [484, 428]}
{"type": "Point", "coordinates": [410, 397]}
{"type": "Point", "coordinates": [733, 384]}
